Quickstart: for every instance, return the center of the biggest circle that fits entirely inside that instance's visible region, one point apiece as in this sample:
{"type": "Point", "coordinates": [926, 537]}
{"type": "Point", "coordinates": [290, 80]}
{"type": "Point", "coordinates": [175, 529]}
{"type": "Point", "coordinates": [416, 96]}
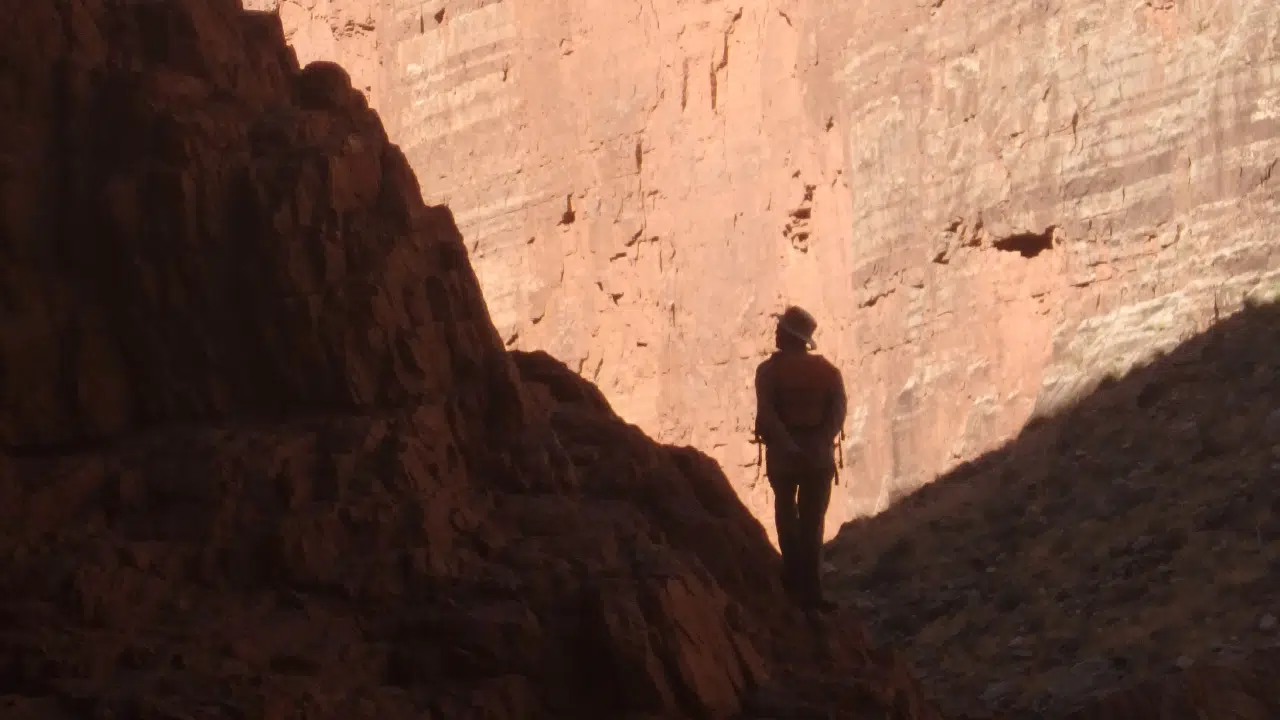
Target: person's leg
{"type": "Point", "coordinates": [814, 498]}
{"type": "Point", "coordinates": [786, 520]}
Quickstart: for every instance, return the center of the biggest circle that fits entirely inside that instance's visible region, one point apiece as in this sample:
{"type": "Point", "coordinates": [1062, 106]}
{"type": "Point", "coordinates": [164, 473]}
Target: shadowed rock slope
{"type": "Point", "coordinates": [1133, 535]}
{"type": "Point", "coordinates": [262, 454]}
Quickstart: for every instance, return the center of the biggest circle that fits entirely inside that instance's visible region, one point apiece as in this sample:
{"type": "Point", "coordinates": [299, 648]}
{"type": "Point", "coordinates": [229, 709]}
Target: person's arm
{"type": "Point", "coordinates": [769, 426]}
{"type": "Point", "coordinates": [837, 407]}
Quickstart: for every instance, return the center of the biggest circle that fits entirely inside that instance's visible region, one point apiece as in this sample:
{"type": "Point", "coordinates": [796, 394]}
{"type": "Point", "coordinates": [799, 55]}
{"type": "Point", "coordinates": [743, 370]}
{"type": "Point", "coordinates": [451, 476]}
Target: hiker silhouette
{"type": "Point", "coordinates": [800, 411]}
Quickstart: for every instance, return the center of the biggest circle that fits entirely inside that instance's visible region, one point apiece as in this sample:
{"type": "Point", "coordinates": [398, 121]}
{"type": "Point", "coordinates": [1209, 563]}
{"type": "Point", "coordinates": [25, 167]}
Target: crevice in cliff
{"type": "Point", "coordinates": [641, 195]}
{"type": "Point", "coordinates": [1027, 244]}
{"type": "Point", "coordinates": [715, 90]}
{"type": "Point", "coordinates": [1266, 174]}
{"type": "Point", "coordinates": [876, 297]}
{"type": "Point", "coordinates": [723, 62]}
{"type": "Point", "coordinates": [568, 217]}
{"type": "Point", "coordinates": [684, 84]}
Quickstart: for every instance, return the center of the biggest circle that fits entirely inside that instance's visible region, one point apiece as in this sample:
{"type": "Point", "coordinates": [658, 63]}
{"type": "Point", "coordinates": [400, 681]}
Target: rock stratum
{"type": "Point", "coordinates": [263, 453]}
{"type": "Point", "coordinates": [990, 206]}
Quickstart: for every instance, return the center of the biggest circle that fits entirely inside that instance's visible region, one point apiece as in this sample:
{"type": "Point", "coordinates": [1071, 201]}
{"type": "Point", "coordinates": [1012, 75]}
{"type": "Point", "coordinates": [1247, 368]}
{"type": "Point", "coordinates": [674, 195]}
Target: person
{"type": "Point", "coordinates": [800, 410]}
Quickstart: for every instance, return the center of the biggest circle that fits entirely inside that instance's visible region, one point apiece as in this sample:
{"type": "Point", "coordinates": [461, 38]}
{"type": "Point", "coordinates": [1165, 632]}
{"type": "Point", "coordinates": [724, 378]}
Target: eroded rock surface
{"type": "Point", "coordinates": [990, 207]}
{"type": "Point", "coordinates": [263, 454]}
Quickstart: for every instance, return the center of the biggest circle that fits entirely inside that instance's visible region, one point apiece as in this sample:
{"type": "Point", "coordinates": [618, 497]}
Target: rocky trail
{"type": "Point", "coordinates": [1135, 534]}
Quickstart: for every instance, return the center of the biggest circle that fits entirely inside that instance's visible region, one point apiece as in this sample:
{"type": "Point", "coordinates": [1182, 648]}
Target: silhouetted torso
{"type": "Point", "coordinates": [802, 388]}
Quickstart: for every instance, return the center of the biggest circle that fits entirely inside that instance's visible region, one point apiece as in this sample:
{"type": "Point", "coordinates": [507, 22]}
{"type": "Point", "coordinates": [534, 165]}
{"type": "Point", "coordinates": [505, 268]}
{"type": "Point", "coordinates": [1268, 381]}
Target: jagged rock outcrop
{"type": "Point", "coordinates": [263, 454]}
{"type": "Point", "coordinates": [1135, 533]}
{"type": "Point", "coordinates": [989, 206]}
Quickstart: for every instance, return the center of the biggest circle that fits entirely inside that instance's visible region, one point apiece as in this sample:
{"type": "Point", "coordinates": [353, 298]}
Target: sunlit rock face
{"type": "Point", "coordinates": [990, 208]}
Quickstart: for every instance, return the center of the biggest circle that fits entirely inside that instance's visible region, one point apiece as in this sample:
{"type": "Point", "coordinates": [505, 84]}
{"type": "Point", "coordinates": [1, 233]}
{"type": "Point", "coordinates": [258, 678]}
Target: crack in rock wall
{"type": "Point", "coordinates": [989, 208]}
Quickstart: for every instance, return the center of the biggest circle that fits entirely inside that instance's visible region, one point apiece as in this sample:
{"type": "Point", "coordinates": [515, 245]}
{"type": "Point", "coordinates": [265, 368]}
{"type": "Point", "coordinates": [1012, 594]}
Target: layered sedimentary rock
{"type": "Point", "coordinates": [1052, 192]}
{"type": "Point", "coordinates": [989, 207]}
{"type": "Point", "coordinates": [263, 454]}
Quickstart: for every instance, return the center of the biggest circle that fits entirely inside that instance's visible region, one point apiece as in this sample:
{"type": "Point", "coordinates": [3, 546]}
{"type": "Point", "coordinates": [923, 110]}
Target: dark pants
{"type": "Point", "coordinates": [801, 498]}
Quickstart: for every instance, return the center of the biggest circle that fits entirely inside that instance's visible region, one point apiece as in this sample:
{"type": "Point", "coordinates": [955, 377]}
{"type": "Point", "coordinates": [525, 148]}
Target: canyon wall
{"type": "Point", "coordinates": [988, 208]}
{"type": "Point", "coordinates": [263, 454]}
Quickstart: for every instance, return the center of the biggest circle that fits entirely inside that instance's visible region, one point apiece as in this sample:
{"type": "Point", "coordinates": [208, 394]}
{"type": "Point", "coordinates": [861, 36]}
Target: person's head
{"type": "Point", "coordinates": [795, 330]}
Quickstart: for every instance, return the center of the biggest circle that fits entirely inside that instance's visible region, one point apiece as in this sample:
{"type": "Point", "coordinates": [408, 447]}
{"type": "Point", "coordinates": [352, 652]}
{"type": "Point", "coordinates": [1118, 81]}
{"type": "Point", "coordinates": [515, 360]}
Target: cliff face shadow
{"type": "Point", "coordinates": [1135, 533]}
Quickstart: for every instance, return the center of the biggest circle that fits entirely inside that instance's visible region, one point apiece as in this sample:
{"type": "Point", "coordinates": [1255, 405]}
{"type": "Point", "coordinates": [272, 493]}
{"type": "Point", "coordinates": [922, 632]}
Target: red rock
{"type": "Point", "coordinates": [264, 453]}
{"type": "Point", "coordinates": [984, 219]}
